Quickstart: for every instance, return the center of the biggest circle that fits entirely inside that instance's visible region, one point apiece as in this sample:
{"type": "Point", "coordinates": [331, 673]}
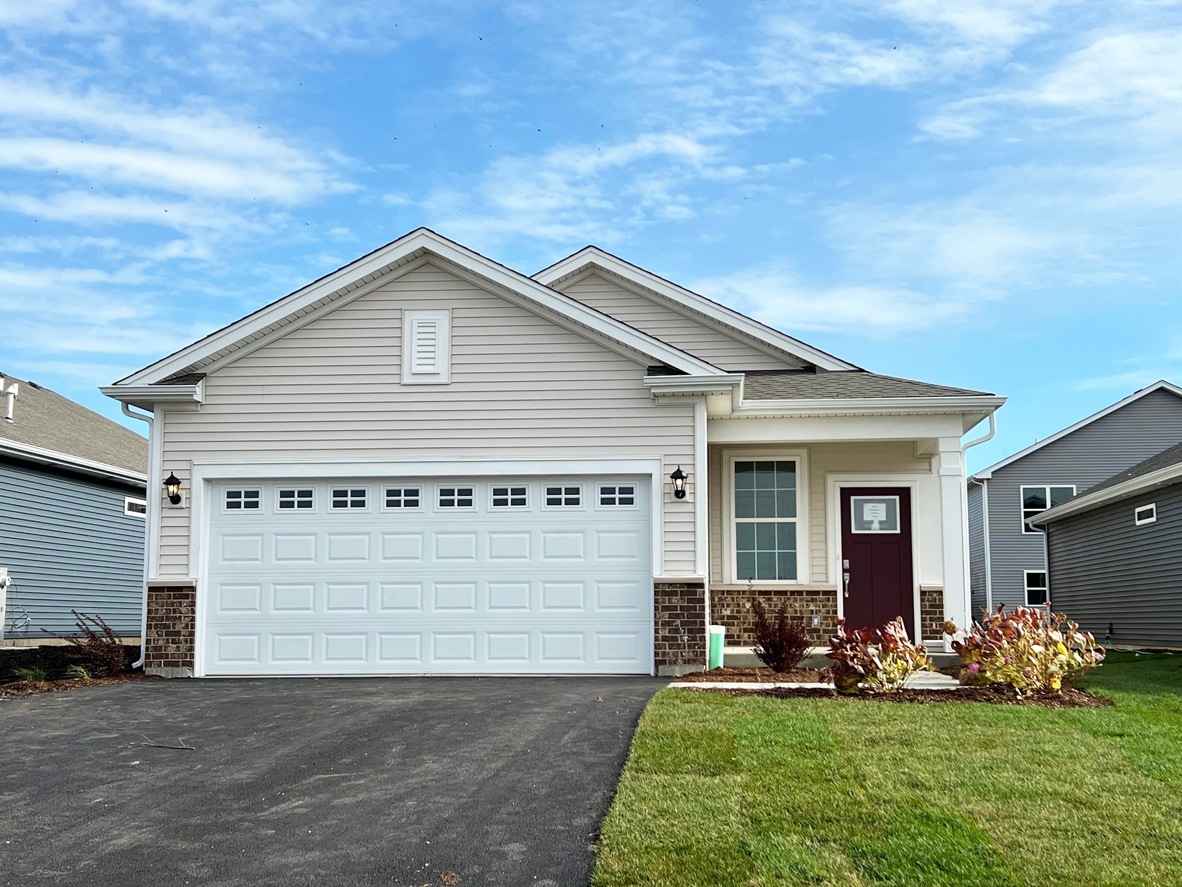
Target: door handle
{"type": "Point", "coordinates": [847, 583]}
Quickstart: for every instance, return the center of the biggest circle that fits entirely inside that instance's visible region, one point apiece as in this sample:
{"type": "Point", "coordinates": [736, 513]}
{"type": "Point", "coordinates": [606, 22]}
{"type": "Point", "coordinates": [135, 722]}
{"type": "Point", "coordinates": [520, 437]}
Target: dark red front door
{"type": "Point", "coordinates": [876, 573]}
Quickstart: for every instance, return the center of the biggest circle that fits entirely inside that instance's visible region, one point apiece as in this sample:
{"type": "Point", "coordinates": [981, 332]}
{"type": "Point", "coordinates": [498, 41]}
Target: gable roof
{"type": "Point", "coordinates": [1161, 385]}
{"type": "Point", "coordinates": [367, 271]}
{"type": "Point", "coordinates": [789, 384]}
{"type": "Point", "coordinates": [1158, 470]}
{"type": "Point", "coordinates": [49, 428]}
{"type": "Point", "coordinates": [715, 313]}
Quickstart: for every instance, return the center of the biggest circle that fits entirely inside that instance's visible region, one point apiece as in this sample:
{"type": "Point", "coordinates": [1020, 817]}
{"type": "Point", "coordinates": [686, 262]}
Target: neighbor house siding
{"type": "Point", "coordinates": [976, 550]}
{"type": "Point", "coordinates": [1106, 570]}
{"type": "Point", "coordinates": [824, 459]}
{"type": "Point", "coordinates": [68, 545]}
{"type": "Point", "coordinates": [521, 388]}
{"type": "Point", "coordinates": [680, 329]}
{"type": "Point", "coordinates": [1083, 458]}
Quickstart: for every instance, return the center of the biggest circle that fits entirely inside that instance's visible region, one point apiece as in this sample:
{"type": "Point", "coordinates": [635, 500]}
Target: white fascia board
{"type": "Point", "coordinates": [377, 263]}
{"type": "Point", "coordinates": [1162, 385]}
{"type": "Point", "coordinates": [43, 456]}
{"type": "Point", "coordinates": [723, 383]}
{"type": "Point", "coordinates": [853, 406]}
{"type": "Point", "coordinates": [194, 393]}
{"type": "Point", "coordinates": [1131, 487]}
{"type": "Point", "coordinates": [716, 311]}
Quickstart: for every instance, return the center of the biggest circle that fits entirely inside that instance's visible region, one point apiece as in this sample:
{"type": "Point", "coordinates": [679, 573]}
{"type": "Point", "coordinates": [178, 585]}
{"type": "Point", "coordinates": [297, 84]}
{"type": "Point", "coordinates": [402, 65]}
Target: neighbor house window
{"type": "Point", "coordinates": [1145, 514]}
{"type": "Point", "coordinates": [765, 520]}
{"type": "Point", "coordinates": [617, 495]}
{"type": "Point", "coordinates": [456, 497]}
{"type": "Point", "coordinates": [1036, 499]}
{"type": "Point", "coordinates": [240, 500]}
{"type": "Point", "coordinates": [1036, 587]}
{"type": "Point", "coordinates": [135, 507]}
{"type": "Point", "coordinates": [348, 497]}
{"type": "Point", "coordinates": [291, 500]}
{"type": "Point", "coordinates": [403, 497]}
{"type": "Point", "coordinates": [509, 497]}
{"type": "Point", "coordinates": [564, 497]}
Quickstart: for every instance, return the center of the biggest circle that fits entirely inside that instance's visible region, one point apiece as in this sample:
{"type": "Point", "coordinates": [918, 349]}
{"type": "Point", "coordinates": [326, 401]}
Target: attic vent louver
{"type": "Point", "coordinates": [426, 347]}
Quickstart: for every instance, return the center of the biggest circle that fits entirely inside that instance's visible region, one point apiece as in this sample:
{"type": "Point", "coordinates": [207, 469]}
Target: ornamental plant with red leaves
{"type": "Point", "coordinates": [875, 660]}
{"type": "Point", "coordinates": [1029, 650]}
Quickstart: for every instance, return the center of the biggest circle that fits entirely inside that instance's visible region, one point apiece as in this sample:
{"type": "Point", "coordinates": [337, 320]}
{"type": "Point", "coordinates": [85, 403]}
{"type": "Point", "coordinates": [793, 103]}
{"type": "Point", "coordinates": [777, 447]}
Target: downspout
{"type": "Point", "coordinates": [988, 436]}
{"type": "Point", "coordinates": [153, 503]}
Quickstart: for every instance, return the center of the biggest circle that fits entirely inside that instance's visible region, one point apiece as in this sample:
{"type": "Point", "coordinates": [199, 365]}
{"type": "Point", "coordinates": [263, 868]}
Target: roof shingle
{"type": "Point", "coordinates": [1165, 459]}
{"type": "Point", "coordinates": [790, 384]}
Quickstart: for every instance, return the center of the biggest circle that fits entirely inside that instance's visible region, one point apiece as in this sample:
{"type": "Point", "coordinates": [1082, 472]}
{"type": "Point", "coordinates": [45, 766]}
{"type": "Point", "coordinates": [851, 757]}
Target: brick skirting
{"type": "Point", "coordinates": [931, 614]}
{"type": "Point", "coordinates": [732, 607]}
{"type": "Point", "coordinates": [172, 614]}
{"type": "Point", "coordinates": [679, 625]}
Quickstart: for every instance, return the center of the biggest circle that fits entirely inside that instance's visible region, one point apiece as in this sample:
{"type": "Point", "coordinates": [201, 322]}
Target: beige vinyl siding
{"type": "Point", "coordinates": [823, 459]}
{"type": "Point", "coordinates": [521, 388]}
{"type": "Point", "coordinates": [699, 337]}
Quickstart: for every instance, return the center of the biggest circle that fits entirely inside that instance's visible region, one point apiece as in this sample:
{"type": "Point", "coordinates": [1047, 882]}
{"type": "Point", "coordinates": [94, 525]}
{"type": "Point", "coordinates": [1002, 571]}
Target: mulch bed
{"type": "Point", "coordinates": [1070, 698]}
{"type": "Point", "coordinates": [760, 676]}
{"type": "Point", "coordinates": [20, 689]}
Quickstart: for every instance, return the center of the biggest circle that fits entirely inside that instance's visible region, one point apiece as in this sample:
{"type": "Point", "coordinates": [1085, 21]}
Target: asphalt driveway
{"type": "Point", "coordinates": [401, 781]}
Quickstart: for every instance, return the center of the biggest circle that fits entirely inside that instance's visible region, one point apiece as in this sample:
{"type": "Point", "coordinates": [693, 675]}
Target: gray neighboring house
{"type": "Point", "coordinates": [1007, 557]}
{"type": "Point", "coordinates": [72, 515]}
{"type": "Point", "coordinates": [1116, 554]}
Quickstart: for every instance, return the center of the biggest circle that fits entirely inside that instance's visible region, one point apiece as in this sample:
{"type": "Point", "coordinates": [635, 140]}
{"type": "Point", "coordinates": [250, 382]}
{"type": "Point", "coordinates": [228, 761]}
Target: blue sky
{"type": "Point", "coordinates": [983, 194]}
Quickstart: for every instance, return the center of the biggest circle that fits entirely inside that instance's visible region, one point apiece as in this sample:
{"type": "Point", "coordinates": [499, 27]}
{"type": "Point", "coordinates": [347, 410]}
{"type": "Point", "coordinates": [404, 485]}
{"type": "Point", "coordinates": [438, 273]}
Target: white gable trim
{"type": "Point", "coordinates": [726, 318]}
{"type": "Point", "coordinates": [1162, 477]}
{"type": "Point", "coordinates": [366, 270]}
{"type": "Point", "coordinates": [1163, 385]}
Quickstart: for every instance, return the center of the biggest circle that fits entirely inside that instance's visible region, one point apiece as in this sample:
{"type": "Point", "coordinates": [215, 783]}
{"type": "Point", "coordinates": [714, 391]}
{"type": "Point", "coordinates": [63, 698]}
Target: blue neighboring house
{"type": "Point", "coordinates": [72, 515]}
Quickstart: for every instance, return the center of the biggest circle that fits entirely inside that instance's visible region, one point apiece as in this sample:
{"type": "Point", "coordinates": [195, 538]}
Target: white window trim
{"type": "Point", "coordinates": [243, 509]}
{"type": "Point", "coordinates": [1142, 521]}
{"type": "Point", "coordinates": [294, 508]}
{"type": "Point", "coordinates": [449, 509]}
{"type": "Point", "coordinates": [510, 486]}
{"type": "Point", "coordinates": [582, 506]}
{"type": "Point", "coordinates": [1026, 584]}
{"type": "Point", "coordinates": [803, 520]}
{"type": "Point", "coordinates": [442, 317]}
{"type": "Point", "coordinates": [599, 506]}
{"type": "Point", "coordinates": [1026, 531]}
{"type": "Point", "coordinates": [401, 508]}
{"type": "Point", "coordinates": [348, 509]}
{"type": "Point", "coordinates": [128, 501]}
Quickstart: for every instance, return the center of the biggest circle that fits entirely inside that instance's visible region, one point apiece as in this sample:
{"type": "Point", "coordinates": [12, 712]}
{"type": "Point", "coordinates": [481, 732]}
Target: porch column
{"type": "Point", "coordinates": [954, 514]}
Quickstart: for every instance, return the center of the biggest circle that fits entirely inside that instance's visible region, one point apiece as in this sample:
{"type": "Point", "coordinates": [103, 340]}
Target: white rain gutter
{"type": "Point", "coordinates": [153, 504]}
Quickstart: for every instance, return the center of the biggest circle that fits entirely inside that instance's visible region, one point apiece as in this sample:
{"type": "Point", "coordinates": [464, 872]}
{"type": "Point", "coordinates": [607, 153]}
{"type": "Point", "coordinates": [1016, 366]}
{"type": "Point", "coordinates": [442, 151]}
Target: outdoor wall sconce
{"type": "Point", "coordinates": [172, 486]}
{"type": "Point", "coordinates": [678, 478]}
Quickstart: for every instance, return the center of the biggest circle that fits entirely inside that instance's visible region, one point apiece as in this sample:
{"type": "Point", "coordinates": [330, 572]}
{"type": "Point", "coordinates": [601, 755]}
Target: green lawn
{"type": "Point", "coordinates": [749, 791]}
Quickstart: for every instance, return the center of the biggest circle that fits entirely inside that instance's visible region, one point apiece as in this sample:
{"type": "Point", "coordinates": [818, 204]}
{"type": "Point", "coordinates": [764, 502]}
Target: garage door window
{"type": "Point", "coordinates": [617, 495]}
{"type": "Point", "coordinates": [403, 497]}
{"type": "Point", "coordinates": [348, 498]}
{"type": "Point", "coordinates": [510, 497]}
{"type": "Point", "coordinates": [302, 500]}
{"type": "Point", "coordinates": [242, 500]}
{"type": "Point", "coordinates": [457, 497]}
{"type": "Point", "coordinates": [564, 497]}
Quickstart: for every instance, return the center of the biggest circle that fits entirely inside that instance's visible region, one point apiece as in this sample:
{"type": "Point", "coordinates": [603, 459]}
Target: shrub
{"type": "Point", "coordinates": [1029, 650]}
{"type": "Point", "coordinates": [96, 647]}
{"type": "Point", "coordinates": [875, 660]}
{"type": "Point", "coordinates": [77, 673]}
{"type": "Point", "coordinates": [32, 673]}
{"type": "Point", "coordinates": [782, 643]}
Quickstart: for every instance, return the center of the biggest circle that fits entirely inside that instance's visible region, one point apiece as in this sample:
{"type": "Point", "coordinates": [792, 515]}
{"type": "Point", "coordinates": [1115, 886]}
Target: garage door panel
{"type": "Point", "coordinates": [378, 591]}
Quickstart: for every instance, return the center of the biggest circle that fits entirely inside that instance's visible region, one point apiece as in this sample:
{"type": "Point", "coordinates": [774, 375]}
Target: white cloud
{"type": "Point", "coordinates": [85, 207]}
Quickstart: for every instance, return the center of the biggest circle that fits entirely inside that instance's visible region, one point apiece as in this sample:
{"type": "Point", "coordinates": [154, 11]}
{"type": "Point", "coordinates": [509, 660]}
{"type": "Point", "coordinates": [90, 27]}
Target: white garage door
{"type": "Point", "coordinates": [428, 576]}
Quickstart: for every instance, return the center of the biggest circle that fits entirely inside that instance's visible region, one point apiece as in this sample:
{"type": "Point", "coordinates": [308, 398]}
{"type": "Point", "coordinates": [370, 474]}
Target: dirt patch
{"type": "Point", "coordinates": [1070, 698]}
{"type": "Point", "coordinates": [760, 676]}
{"type": "Point", "coordinates": [20, 689]}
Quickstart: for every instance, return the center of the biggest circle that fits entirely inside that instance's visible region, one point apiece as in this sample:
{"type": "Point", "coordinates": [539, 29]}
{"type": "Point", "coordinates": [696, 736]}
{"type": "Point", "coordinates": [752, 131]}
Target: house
{"type": "Point", "coordinates": [1006, 552]}
{"type": "Point", "coordinates": [426, 462]}
{"type": "Point", "coordinates": [1115, 553]}
{"type": "Point", "coordinates": [72, 516]}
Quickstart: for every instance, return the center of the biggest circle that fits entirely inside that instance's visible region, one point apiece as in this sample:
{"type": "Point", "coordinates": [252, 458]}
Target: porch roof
{"type": "Point", "coordinates": [804, 385]}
